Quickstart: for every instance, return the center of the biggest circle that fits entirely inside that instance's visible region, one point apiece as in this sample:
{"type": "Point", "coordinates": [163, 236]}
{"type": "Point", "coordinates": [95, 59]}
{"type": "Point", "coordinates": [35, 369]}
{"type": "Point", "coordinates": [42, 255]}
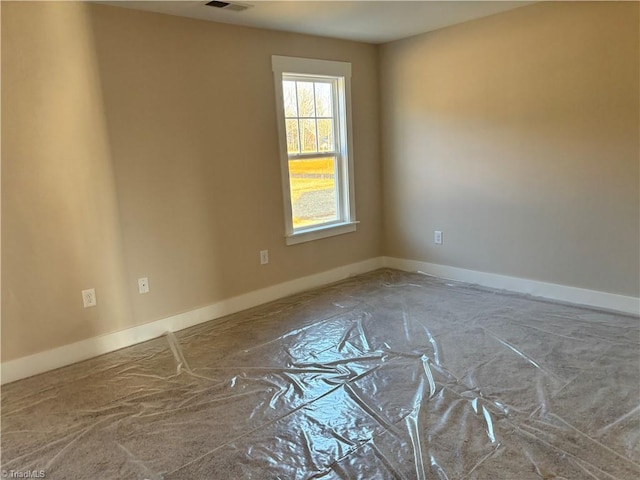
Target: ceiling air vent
{"type": "Point", "coordinates": [231, 6]}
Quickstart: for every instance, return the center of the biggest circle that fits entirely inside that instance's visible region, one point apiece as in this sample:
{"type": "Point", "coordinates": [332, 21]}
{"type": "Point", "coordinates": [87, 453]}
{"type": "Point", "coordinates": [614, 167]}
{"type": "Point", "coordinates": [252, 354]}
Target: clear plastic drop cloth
{"type": "Point", "coordinates": [387, 375]}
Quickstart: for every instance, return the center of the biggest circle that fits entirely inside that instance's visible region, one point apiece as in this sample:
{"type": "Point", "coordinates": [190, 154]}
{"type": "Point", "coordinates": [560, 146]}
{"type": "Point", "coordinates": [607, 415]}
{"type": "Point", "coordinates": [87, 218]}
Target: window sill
{"type": "Point", "coordinates": [321, 232]}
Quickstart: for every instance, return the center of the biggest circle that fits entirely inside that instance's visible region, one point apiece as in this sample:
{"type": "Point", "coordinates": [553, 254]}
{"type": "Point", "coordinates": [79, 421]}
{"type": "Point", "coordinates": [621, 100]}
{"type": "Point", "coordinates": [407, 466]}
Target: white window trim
{"type": "Point", "coordinates": [301, 66]}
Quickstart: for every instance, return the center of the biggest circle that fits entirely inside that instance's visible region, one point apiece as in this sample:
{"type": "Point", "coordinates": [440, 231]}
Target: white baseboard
{"type": "Point", "coordinates": [552, 291]}
{"type": "Point", "coordinates": [68, 354]}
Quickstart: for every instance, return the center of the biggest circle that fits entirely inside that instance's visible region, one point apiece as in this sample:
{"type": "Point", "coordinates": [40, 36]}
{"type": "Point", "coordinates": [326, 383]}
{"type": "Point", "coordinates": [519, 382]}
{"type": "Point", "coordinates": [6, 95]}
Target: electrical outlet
{"type": "Point", "coordinates": [264, 257]}
{"type": "Point", "coordinates": [89, 298]}
{"type": "Point", "coordinates": [437, 237]}
{"type": "Point", "coordinates": [143, 285]}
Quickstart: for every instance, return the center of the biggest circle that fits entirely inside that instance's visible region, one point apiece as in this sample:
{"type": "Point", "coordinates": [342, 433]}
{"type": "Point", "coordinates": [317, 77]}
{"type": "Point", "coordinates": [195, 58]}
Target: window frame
{"type": "Point", "coordinates": [340, 75]}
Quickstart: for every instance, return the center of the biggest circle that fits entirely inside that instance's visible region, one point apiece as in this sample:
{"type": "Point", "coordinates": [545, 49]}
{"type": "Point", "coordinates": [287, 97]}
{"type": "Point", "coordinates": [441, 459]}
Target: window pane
{"type": "Point", "coordinates": [326, 142]}
{"type": "Point", "coordinates": [306, 106]}
{"type": "Point", "coordinates": [289, 95]}
{"type": "Point", "coordinates": [313, 191]}
{"type": "Point", "coordinates": [323, 99]}
{"type": "Point", "coordinates": [293, 140]}
{"type": "Point", "coordinates": [308, 136]}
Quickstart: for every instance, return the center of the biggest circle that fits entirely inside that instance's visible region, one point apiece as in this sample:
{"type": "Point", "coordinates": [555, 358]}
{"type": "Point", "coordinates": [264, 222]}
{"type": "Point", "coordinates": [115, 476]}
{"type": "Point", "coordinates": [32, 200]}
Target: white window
{"type": "Point", "coordinates": [314, 124]}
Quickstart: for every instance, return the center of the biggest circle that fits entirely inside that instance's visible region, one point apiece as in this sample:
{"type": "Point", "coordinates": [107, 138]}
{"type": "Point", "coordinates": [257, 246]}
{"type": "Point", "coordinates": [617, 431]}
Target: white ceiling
{"type": "Point", "coordinates": [365, 21]}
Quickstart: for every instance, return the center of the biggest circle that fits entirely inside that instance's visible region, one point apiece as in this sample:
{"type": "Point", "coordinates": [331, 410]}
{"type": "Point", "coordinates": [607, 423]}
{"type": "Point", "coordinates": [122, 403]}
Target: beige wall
{"type": "Point", "coordinates": [517, 136]}
{"type": "Point", "coordinates": [137, 144]}
{"type": "Point", "coordinates": [125, 154]}
{"type": "Point", "coordinates": [60, 224]}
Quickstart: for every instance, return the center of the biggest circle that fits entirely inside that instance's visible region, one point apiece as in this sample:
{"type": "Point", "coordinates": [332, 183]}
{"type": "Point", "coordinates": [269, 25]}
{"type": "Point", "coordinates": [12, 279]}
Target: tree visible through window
{"type": "Point", "coordinates": [314, 127]}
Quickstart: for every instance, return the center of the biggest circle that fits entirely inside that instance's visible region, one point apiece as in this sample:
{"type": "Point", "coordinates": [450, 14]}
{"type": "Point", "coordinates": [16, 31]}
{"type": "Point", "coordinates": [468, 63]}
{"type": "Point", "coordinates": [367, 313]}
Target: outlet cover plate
{"type": "Point", "coordinates": [143, 285]}
{"type": "Point", "coordinates": [89, 298]}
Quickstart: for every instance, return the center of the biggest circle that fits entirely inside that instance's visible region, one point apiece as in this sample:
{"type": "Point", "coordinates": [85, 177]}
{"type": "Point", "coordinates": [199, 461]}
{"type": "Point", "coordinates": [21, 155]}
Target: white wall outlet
{"type": "Point", "coordinates": [143, 285]}
{"type": "Point", "coordinates": [264, 257]}
{"type": "Point", "coordinates": [437, 237]}
{"type": "Point", "coordinates": [89, 298]}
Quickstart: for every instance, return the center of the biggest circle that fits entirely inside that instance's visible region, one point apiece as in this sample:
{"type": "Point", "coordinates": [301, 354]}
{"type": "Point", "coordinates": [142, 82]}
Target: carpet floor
{"type": "Point", "coordinates": [387, 375]}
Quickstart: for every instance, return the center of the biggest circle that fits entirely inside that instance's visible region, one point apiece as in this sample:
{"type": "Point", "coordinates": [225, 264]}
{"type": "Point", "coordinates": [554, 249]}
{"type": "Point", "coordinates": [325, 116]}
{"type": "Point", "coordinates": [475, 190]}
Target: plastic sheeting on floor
{"type": "Point", "coordinates": [386, 375]}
